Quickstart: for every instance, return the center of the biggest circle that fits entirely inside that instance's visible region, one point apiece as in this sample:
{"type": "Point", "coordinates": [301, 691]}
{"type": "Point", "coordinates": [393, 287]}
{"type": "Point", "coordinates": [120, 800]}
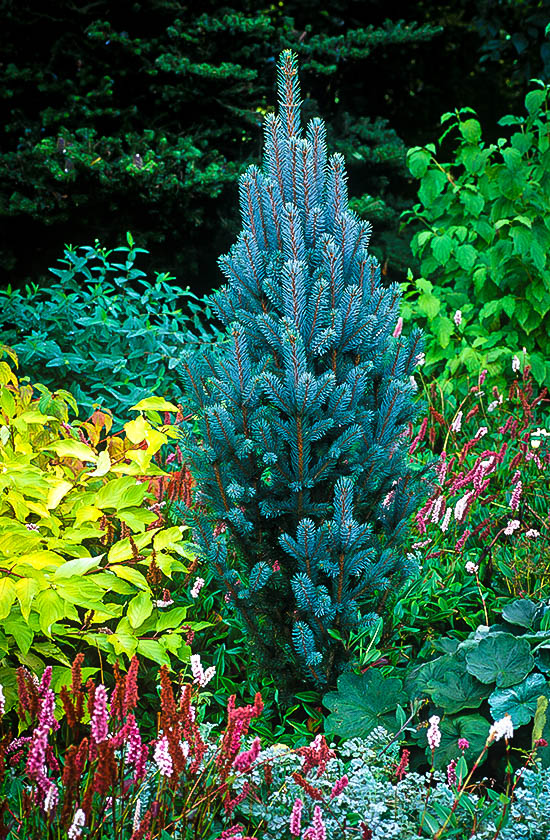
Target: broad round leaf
{"type": "Point", "coordinates": [458, 690]}
{"type": "Point", "coordinates": [520, 702]}
{"type": "Point", "coordinates": [520, 612]}
{"type": "Point", "coordinates": [363, 702]}
{"type": "Point", "coordinates": [502, 658]}
{"type": "Point", "coordinates": [474, 728]}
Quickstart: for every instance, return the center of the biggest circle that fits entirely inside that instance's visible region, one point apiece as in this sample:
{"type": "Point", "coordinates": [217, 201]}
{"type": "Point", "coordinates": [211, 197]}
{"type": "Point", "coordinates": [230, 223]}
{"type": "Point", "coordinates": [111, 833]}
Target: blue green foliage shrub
{"type": "Point", "coordinates": [103, 329]}
{"type": "Point", "coordinates": [301, 457]}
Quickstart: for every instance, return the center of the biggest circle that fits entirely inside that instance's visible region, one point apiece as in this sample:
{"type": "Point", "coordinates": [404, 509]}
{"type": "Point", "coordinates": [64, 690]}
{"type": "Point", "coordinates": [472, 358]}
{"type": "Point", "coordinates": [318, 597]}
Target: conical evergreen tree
{"type": "Point", "coordinates": [301, 420]}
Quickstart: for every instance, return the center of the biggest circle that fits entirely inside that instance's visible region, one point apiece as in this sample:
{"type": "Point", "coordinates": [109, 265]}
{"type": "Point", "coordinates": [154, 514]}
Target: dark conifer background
{"type": "Point", "coordinates": [140, 115]}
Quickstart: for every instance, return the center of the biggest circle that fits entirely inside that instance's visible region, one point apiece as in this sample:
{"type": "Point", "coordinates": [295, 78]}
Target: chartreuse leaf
{"type": "Point", "coordinates": [520, 701]}
{"type": "Point", "coordinates": [8, 594]}
{"type": "Point", "coordinates": [139, 608]}
{"type": "Point", "coordinates": [540, 719]}
{"type": "Point", "coordinates": [500, 658]}
{"type": "Point", "coordinates": [362, 703]}
{"type": "Point", "coordinates": [153, 650]}
{"type": "Point", "coordinates": [69, 448]}
{"type": "Point", "coordinates": [26, 589]}
{"type": "Point", "coordinates": [154, 404]}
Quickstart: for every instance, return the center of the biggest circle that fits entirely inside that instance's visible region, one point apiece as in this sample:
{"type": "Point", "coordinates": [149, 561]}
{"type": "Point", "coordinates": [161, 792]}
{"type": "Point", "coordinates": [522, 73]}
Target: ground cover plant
{"type": "Point", "coordinates": [97, 775]}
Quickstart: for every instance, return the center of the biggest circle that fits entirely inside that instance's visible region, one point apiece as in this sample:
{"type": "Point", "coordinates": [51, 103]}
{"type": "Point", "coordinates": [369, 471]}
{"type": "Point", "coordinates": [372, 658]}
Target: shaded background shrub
{"type": "Point", "coordinates": [139, 116]}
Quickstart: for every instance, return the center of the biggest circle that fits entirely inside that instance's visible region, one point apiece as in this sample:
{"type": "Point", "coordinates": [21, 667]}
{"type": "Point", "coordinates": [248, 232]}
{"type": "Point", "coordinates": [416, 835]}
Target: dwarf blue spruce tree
{"type": "Point", "coordinates": [299, 447]}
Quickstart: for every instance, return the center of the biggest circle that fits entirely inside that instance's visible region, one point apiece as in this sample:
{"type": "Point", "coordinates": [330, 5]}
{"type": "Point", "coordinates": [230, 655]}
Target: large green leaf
{"type": "Point", "coordinates": [458, 690]}
{"type": "Point", "coordinates": [424, 679]}
{"type": "Point", "coordinates": [520, 612]}
{"type": "Point", "coordinates": [474, 728]}
{"type": "Point", "coordinates": [500, 658]}
{"type": "Point", "coordinates": [520, 702]}
{"type": "Point", "coordinates": [363, 702]}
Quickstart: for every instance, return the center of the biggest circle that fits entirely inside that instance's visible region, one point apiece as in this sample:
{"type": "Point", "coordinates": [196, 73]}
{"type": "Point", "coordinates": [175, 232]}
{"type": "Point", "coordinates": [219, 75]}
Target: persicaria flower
{"type": "Point", "coordinates": [296, 818]}
{"type": "Point", "coordinates": [451, 772]}
{"type": "Point", "coordinates": [541, 742]}
{"type": "Point", "coordinates": [162, 757]}
{"type": "Point", "coordinates": [421, 359]}
{"type": "Point", "coordinates": [245, 760]}
{"type": "Point", "coordinates": [75, 830]}
{"type": "Point", "coordinates": [471, 567]}
{"type": "Point", "coordinates": [515, 364]}
{"type": "Point", "coordinates": [516, 496]}
{"type": "Point", "coordinates": [201, 676]}
{"type": "Point", "coordinates": [463, 744]}
{"type": "Point", "coordinates": [512, 526]}
{"type": "Point", "coordinates": [462, 506]}
{"type": "Point", "coordinates": [317, 831]}
{"type": "Point", "coordinates": [434, 734]}
{"type": "Point", "coordinates": [457, 318]}
{"type": "Point", "coordinates": [456, 425]}
{"type": "Point", "coordinates": [444, 524]}
{"type": "Point", "coordinates": [51, 799]}
{"type": "Point", "coordinates": [2, 701]}
{"type": "Point", "coordinates": [481, 432]}
{"type": "Point", "coordinates": [398, 328]}
{"type": "Point", "coordinates": [197, 586]}
{"type": "Point", "coordinates": [98, 724]}
{"type": "Point", "coordinates": [532, 533]}
{"type": "Point", "coordinates": [339, 786]}
{"type": "Point", "coordinates": [401, 769]}
{"type": "Point", "coordinates": [502, 728]}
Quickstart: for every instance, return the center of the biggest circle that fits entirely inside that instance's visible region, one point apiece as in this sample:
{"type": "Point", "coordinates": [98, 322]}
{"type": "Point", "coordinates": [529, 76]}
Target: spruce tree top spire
{"type": "Point", "coordinates": [302, 417]}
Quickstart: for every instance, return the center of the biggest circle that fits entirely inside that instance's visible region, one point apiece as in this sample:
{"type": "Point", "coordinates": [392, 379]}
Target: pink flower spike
{"type": "Point", "coordinates": [296, 818]}
{"type": "Point", "coordinates": [434, 734]}
{"type": "Point", "coordinates": [339, 786]}
{"type": "Point", "coordinates": [451, 772]}
{"type": "Point", "coordinates": [516, 496]}
{"type": "Point", "coordinates": [398, 328]}
{"type": "Point", "coordinates": [197, 586]}
{"type": "Point", "coordinates": [245, 760]}
{"type": "Point", "coordinates": [99, 724]}
{"type": "Point", "coordinates": [162, 757]}
{"type": "Point", "coordinates": [463, 744]}
{"type": "Point", "coordinates": [457, 318]}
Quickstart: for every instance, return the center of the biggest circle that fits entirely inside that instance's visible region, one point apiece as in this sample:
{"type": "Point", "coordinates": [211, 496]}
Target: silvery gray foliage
{"type": "Point", "coordinates": [391, 809]}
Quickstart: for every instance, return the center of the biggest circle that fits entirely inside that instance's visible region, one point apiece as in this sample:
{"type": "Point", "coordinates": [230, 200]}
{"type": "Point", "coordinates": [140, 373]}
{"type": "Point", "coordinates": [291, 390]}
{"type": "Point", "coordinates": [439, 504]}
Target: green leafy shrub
{"type": "Point", "coordinates": [483, 238]}
{"type": "Point", "coordinates": [103, 329]}
{"type": "Point", "coordinates": [84, 560]}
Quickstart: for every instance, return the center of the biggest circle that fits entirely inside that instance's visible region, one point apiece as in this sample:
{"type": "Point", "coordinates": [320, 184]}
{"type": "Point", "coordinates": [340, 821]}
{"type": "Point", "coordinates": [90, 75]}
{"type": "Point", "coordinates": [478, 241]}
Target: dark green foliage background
{"type": "Point", "coordinates": [140, 115]}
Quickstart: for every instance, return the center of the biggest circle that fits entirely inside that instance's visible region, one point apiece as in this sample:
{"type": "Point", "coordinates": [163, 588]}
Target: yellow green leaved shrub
{"type": "Point", "coordinates": [84, 560]}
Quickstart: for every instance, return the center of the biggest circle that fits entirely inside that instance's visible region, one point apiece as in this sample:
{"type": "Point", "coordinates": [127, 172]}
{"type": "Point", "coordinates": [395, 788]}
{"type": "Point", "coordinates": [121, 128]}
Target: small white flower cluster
{"type": "Point", "coordinates": [513, 525]}
{"type": "Point", "coordinates": [201, 676]}
{"type": "Point", "coordinates": [502, 728]}
{"type": "Point", "coordinates": [471, 567]}
{"type": "Point", "coordinates": [536, 437]}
